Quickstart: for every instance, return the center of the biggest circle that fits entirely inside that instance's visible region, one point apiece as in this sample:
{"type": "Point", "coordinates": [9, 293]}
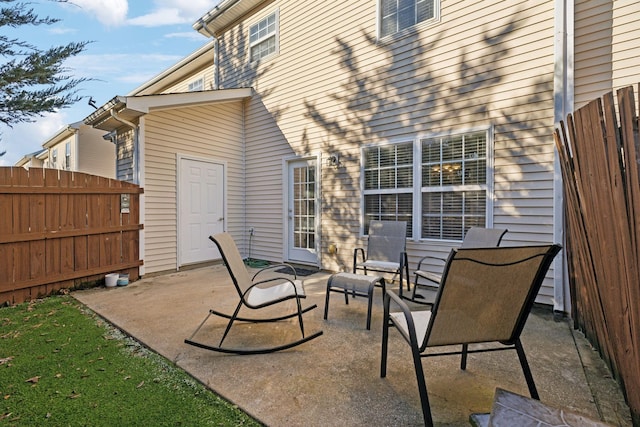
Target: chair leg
{"type": "Point", "coordinates": [417, 361]}
{"type": "Point", "coordinates": [385, 337]}
{"type": "Point", "coordinates": [370, 304]}
{"type": "Point", "coordinates": [326, 299]}
{"type": "Point", "coordinates": [422, 386]}
{"type": "Point", "coordinates": [463, 359]}
{"type": "Point", "coordinates": [300, 315]}
{"type": "Point", "coordinates": [533, 391]}
{"type": "Point", "coordinates": [406, 267]}
{"type": "Point", "coordinates": [231, 320]}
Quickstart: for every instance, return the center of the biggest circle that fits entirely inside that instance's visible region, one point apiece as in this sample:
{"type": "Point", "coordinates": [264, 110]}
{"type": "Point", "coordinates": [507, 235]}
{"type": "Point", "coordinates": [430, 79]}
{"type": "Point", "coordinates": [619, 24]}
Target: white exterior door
{"type": "Point", "coordinates": [201, 209]}
{"type": "Point", "coordinates": [302, 211]}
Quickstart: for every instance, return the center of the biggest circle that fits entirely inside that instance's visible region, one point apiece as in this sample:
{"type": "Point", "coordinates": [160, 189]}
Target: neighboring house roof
{"type": "Point", "coordinates": [122, 109]}
{"type": "Point", "coordinates": [29, 157]}
{"type": "Point", "coordinates": [62, 134]}
{"type": "Point", "coordinates": [221, 16]}
{"type": "Point", "coordinates": [193, 62]}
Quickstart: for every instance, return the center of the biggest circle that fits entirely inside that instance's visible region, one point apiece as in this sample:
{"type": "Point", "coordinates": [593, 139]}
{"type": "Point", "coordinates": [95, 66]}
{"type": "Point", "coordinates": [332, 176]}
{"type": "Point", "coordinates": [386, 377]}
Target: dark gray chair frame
{"type": "Point", "coordinates": [386, 245]}
{"type": "Point", "coordinates": [273, 290]}
{"type": "Point", "coordinates": [354, 291]}
{"type": "Point", "coordinates": [517, 272]}
{"type": "Point", "coordinates": [476, 237]}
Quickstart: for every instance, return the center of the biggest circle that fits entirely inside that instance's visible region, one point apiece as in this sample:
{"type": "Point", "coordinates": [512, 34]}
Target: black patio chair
{"type": "Point", "coordinates": [386, 250]}
{"type": "Point", "coordinates": [485, 296]}
{"type": "Point", "coordinates": [428, 282]}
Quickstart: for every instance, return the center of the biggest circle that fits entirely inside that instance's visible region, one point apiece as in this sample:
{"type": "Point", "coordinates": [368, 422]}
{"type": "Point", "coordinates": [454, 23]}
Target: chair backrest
{"type": "Point", "coordinates": [479, 237]}
{"type": "Point", "coordinates": [387, 239]}
{"type": "Point", "coordinates": [233, 260]}
{"type": "Point", "coordinates": [486, 294]}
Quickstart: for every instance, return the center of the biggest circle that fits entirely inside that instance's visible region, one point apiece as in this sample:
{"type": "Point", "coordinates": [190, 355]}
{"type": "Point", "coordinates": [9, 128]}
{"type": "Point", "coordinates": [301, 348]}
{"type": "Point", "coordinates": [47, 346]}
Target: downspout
{"type": "Point", "coordinates": [136, 150]}
{"type": "Point", "coordinates": [216, 53]}
{"type": "Point", "coordinates": [563, 87]}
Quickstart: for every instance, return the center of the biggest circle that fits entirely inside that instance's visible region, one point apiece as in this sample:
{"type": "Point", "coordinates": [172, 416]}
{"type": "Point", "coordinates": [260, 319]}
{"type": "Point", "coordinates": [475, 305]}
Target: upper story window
{"type": "Point", "coordinates": [67, 155]}
{"type": "Point", "coordinates": [263, 37]}
{"type": "Point", "coordinates": [54, 158]}
{"type": "Point", "coordinates": [196, 85]}
{"type": "Point", "coordinates": [398, 15]}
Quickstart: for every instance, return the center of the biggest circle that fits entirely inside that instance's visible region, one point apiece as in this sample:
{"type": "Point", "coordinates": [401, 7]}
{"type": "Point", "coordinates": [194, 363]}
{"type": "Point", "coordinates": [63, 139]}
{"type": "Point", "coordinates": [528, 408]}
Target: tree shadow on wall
{"type": "Point", "coordinates": [413, 92]}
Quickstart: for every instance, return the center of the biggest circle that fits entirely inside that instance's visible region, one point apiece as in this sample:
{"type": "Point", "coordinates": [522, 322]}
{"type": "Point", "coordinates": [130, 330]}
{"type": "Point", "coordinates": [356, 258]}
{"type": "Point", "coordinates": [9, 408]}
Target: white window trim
{"type": "Point", "coordinates": [407, 31]}
{"type": "Point", "coordinates": [383, 143]}
{"type": "Point", "coordinates": [417, 177]}
{"type": "Point", "coordinates": [67, 155]}
{"type": "Point", "coordinates": [198, 79]}
{"type": "Point", "coordinates": [275, 12]}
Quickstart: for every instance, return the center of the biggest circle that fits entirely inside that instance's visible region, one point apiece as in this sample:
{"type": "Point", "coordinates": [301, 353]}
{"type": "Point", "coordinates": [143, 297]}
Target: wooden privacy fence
{"type": "Point", "coordinates": [59, 229]}
{"type": "Point", "coordinates": [600, 158]}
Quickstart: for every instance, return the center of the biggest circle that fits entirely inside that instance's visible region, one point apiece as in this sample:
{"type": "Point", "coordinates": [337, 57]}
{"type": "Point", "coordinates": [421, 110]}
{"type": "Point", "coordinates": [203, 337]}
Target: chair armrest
{"type": "Point", "coordinates": [444, 261]}
{"type": "Point", "coordinates": [406, 312]}
{"type": "Point", "coordinates": [355, 257]}
{"type": "Point", "coordinates": [273, 266]}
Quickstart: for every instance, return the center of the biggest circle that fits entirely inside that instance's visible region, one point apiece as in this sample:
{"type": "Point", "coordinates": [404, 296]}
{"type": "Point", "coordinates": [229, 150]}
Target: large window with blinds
{"type": "Point", "coordinates": [398, 15]}
{"type": "Point", "coordinates": [454, 185]}
{"type": "Point", "coordinates": [446, 174]}
{"type": "Point", "coordinates": [388, 183]}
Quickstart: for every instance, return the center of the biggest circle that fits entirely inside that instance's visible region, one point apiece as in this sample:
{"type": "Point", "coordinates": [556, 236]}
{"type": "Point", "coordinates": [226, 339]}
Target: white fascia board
{"type": "Point", "coordinates": [147, 103]}
{"type": "Point", "coordinates": [196, 59]}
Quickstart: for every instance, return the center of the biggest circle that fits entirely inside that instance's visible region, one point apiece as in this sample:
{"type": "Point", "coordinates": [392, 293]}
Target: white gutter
{"type": "Point", "coordinates": [214, 13]}
{"type": "Point", "coordinates": [563, 95]}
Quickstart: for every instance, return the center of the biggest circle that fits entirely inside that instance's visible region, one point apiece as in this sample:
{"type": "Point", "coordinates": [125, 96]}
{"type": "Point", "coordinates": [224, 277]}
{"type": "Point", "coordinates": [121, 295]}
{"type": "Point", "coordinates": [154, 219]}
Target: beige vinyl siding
{"type": "Point", "coordinates": [183, 84]}
{"type": "Point", "coordinates": [333, 88]}
{"type": "Point", "coordinates": [124, 152]}
{"type": "Point", "coordinates": [61, 153]}
{"type": "Point", "coordinates": [209, 132]}
{"type": "Point", "coordinates": [606, 48]}
{"type": "Point", "coordinates": [95, 155]}
{"type": "Point", "coordinates": [626, 49]}
{"type": "Point", "coordinates": [593, 55]}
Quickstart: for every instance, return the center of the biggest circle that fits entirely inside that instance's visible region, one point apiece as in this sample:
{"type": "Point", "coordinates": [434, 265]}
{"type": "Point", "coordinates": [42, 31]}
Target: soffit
{"type": "Point", "coordinates": [122, 110]}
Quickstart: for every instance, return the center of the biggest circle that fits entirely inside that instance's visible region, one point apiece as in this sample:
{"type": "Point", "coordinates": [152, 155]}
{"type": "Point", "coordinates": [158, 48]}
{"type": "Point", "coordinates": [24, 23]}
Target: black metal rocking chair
{"type": "Point", "coordinates": [255, 295]}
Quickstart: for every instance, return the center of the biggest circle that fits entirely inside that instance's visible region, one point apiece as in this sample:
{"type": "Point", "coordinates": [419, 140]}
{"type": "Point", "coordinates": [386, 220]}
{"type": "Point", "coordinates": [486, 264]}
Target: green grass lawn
{"type": "Point", "coordinates": [60, 364]}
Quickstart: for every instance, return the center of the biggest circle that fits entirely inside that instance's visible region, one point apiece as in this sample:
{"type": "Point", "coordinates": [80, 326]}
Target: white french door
{"type": "Point", "coordinates": [302, 211]}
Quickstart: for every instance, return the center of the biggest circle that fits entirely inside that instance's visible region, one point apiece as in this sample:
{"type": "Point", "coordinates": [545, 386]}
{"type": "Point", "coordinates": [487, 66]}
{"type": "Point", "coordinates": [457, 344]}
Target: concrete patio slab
{"type": "Point", "coordinates": [334, 380]}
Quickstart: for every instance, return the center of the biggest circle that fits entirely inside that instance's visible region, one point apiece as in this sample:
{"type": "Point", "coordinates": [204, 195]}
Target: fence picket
{"type": "Point", "coordinates": [63, 228]}
{"type": "Point", "coordinates": [599, 160]}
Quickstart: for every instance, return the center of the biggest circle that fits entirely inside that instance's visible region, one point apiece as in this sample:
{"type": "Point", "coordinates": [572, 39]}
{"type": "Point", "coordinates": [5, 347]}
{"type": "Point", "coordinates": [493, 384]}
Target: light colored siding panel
{"type": "Point", "coordinates": [213, 132]}
{"type": "Point", "coordinates": [95, 155]}
{"type": "Point", "coordinates": [626, 49]}
{"type": "Point", "coordinates": [593, 60]}
{"type": "Point", "coordinates": [334, 87]}
{"type": "Point", "coordinates": [124, 152]}
{"type": "Point", "coordinates": [606, 48]}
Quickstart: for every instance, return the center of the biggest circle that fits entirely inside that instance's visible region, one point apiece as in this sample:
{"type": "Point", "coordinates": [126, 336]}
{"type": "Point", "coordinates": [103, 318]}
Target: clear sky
{"type": "Point", "coordinates": [132, 41]}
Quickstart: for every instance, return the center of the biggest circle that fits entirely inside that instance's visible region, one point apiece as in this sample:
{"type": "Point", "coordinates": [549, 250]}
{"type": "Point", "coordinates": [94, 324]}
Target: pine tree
{"type": "Point", "coordinates": [33, 81]}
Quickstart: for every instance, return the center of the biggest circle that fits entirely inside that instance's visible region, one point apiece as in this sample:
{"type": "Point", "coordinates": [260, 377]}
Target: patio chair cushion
{"type": "Point", "coordinates": [258, 296]}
